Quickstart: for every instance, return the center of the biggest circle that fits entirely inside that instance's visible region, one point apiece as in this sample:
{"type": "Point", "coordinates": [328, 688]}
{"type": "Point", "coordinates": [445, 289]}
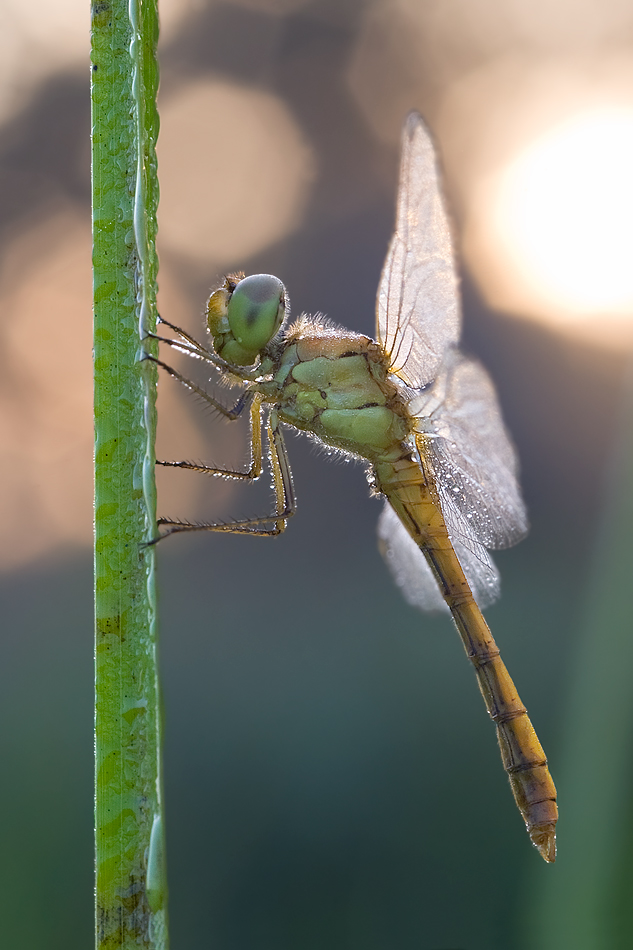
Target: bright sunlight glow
{"type": "Point", "coordinates": [560, 221]}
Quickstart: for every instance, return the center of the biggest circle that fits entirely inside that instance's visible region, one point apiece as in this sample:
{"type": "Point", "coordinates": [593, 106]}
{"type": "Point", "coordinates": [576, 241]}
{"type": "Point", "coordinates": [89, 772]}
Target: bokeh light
{"type": "Point", "coordinates": [409, 53]}
{"type": "Point", "coordinates": [558, 221]}
{"type": "Point", "coordinates": [235, 171]}
{"type": "Point", "coordinates": [45, 481]}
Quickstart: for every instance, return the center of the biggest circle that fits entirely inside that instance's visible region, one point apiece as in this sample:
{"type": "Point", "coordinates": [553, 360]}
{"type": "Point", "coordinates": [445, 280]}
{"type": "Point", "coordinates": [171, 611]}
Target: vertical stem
{"type": "Point", "coordinates": [130, 885]}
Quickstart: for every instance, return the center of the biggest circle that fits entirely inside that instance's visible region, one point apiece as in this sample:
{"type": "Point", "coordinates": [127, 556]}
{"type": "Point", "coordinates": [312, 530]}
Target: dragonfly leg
{"type": "Point", "coordinates": [184, 335]}
{"type": "Point", "coordinates": [229, 413]}
{"type": "Point", "coordinates": [195, 351]}
{"type": "Point", "coordinates": [189, 346]}
{"type": "Point", "coordinates": [268, 525]}
{"type": "Point", "coordinates": [255, 468]}
{"type": "Point", "coordinates": [187, 343]}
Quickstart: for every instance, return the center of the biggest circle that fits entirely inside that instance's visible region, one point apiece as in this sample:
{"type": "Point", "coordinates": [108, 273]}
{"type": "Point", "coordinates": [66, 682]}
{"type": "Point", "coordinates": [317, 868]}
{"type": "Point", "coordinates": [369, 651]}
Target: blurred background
{"type": "Point", "coordinates": [331, 776]}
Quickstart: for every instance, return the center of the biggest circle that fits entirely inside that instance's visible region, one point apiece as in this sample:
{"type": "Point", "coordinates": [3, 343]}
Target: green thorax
{"type": "Point", "coordinates": [336, 386]}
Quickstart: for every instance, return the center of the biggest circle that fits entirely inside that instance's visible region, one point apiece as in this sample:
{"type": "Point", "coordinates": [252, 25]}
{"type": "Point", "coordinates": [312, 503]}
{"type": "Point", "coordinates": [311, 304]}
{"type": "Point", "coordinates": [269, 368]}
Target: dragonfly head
{"type": "Point", "coordinates": [244, 315]}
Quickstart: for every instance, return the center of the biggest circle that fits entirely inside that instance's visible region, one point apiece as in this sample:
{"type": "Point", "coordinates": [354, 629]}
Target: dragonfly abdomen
{"type": "Point", "coordinates": [413, 499]}
{"type": "Point", "coordinates": [404, 484]}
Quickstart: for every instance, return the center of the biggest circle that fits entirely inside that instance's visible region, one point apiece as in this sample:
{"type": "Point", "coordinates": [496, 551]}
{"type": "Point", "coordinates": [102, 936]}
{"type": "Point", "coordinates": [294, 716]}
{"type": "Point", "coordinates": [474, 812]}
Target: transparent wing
{"type": "Point", "coordinates": [418, 304]}
{"type": "Point", "coordinates": [463, 443]}
{"type": "Point", "coordinates": [413, 575]}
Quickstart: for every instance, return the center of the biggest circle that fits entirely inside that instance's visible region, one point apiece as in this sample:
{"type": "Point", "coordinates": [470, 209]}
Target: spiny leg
{"type": "Point", "coordinates": [282, 482]}
{"type": "Point", "coordinates": [185, 336]}
{"type": "Point", "coordinates": [282, 473]}
{"type": "Point", "coordinates": [191, 347]}
{"type": "Point", "coordinates": [229, 413]}
{"type": "Point", "coordinates": [255, 469]}
{"type": "Point", "coordinates": [195, 350]}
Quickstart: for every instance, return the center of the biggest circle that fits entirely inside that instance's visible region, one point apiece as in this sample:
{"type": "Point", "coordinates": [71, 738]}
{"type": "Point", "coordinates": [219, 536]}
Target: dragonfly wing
{"type": "Point", "coordinates": [464, 444]}
{"type": "Point", "coordinates": [418, 305]}
{"type": "Point", "coordinates": [413, 575]}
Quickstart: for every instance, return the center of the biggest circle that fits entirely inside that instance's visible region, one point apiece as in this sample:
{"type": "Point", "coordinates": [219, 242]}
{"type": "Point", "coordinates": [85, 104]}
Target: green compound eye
{"type": "Point", "coordinates": [256, 311]}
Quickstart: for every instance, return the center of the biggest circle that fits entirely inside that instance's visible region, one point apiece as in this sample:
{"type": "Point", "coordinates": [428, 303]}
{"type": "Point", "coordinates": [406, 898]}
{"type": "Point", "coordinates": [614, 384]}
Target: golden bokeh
{"type": "Point", "coordinates": [408, 54]}
{"type": "Point", "coordinates": [557, 220]}
{"type": "Point", "coordinates": [235, 171]}
{"type": "Point", "coordinates": [36, 40]}
{"type": "Point", "coordinates": [46, 414]}
{"type": "Point", "coordinates": [539, 158]}
{"type": "Point", "coordinates": [531, 105]}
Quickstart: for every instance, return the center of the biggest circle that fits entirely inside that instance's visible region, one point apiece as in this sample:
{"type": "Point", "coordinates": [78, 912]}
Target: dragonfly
{"type": "Point", "coordinates": [422, 416]}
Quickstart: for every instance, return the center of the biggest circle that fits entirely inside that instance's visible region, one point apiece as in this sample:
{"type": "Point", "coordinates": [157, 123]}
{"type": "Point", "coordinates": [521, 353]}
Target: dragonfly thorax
{"type": "Point", "coordinates": [336, 387]}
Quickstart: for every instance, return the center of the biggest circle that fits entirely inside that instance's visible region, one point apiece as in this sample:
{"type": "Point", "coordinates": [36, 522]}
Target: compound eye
{"type": "Point", "coordinates": [256, 310]}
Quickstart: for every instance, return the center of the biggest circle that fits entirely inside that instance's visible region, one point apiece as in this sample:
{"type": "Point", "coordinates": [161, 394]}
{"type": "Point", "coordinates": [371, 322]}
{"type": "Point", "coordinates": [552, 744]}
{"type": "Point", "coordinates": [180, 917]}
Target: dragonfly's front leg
{"type": "Point", "coordinates": [230, 413]}
{"type": "Point", "coordinates": [198, 347]}
{"type": "Point", "coordinates": [189, 346]}
{"type": "Point", "coordinates": [282, 481]}
{"type": "Point", "coordinates": [187, 343]}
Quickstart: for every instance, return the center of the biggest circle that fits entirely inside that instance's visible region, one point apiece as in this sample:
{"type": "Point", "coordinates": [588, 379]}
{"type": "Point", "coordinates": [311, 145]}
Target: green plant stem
{"type": "Point", "coordinates": [130, 876]}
